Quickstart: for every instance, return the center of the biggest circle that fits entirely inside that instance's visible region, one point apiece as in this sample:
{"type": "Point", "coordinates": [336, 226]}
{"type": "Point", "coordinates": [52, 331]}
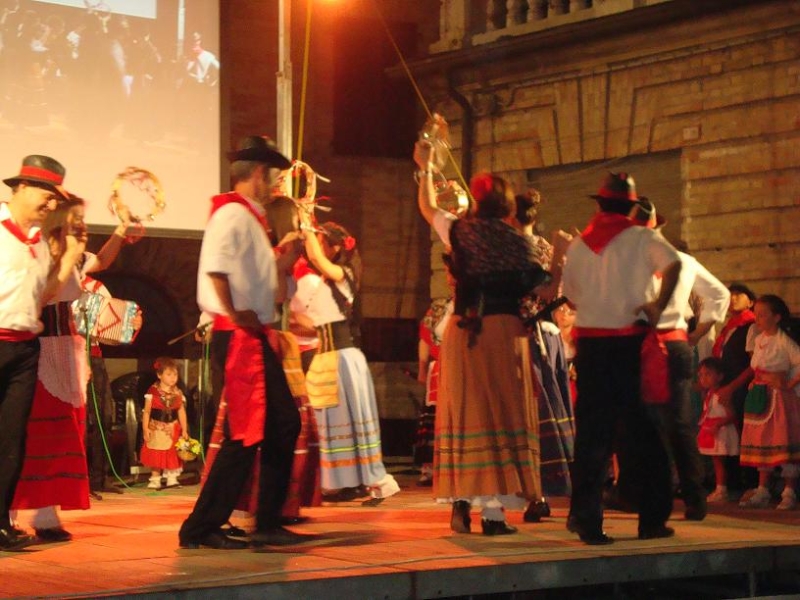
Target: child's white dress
{"type": "Point", "coordinates": [726, 440]}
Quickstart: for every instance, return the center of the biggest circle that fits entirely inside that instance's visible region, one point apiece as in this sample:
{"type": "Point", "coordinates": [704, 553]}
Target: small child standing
{"type": "Point", "coordinates": [163, 423]}
{"type": "Point", "coordinates": [718, 436]}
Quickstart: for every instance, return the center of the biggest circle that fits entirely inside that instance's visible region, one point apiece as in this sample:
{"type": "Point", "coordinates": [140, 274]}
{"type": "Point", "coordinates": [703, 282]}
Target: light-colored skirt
{"type": "Point", "coordinates": [349, 433]}
{"type": "Point", "coordinates": [487, 427]}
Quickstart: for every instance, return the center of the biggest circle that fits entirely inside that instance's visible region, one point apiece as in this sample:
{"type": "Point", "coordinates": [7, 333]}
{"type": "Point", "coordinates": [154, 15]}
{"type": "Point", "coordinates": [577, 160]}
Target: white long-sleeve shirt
{"type": "Point", "coordinates": [694, 277]}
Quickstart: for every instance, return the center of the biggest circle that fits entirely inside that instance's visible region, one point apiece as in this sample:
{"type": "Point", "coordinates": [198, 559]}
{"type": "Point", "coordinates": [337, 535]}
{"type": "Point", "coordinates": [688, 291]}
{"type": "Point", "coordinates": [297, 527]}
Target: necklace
{"type": "Point", "coordinates": [167, 396]}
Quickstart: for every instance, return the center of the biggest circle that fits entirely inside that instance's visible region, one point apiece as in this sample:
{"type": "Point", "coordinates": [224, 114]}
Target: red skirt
{"type": "Point", "coordinates": [54, 472]}
{"type": "Point", "coordinates": [168, 457]}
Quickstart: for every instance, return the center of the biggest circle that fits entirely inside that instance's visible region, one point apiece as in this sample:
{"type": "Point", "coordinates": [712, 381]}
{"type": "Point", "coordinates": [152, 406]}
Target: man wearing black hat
{"type": "Point", "coordinates": [29, 279]}
{"type": "Point", "coordinates": [607, 273]}
{"type": "Point", "coordinates": [237, 283]}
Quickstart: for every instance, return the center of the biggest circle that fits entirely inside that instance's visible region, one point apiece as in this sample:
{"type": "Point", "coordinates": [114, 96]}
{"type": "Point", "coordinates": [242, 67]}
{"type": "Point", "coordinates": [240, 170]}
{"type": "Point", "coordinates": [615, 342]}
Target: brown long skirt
{"type": "Point", "coordinates": [487, 428]}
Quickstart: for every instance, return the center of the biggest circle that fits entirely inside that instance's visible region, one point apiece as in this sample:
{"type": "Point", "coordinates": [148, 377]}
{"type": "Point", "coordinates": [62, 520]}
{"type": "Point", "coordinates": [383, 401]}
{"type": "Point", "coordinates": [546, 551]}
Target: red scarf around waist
{"type": "Point", "coordinates": [245, 388]}
{"type": "Point", "coordinates": [603, 228]}
{"type": "Point", "coordinates": [14, 335]}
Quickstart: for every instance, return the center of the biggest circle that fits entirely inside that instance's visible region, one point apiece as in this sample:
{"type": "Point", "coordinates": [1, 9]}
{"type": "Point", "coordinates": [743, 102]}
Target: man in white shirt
{"type": "Point", "coordinates": [237, 283]}
{"type": "Point", "coordinates": [608, 270]}
{"type": "Point", "coordinates": [29, 278]}
{"type": "Point", "coordinates": [676, 415]}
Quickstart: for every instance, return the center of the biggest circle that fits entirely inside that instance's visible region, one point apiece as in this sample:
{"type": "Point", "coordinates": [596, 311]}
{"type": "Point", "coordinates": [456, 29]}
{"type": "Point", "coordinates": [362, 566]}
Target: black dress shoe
{"type": "Point", "coordinates": [588, 537]}
{"type": "Point", "coordinates": [695, 512]}
{"type": "Point", "coordinates": [233, 531]}
{"type": "Point", "coordinates": [13, 539]}
{"type": "Point", "coordinates": [53, 534]}
{"type": "Point", "coordinates": [216, 540]}
{"type": "Point", "coordinates": [536, 511]}
{"type": "Point", "coordinates": [460, 519]}
{"type": "Point", "coordinates": [279, 536]}
{"type": "Point", "coordinates": [496, 527]}
{"type": "Point", "coordinates": [293, 520]}
{"type": "Point", "coordinates": [653, 533]}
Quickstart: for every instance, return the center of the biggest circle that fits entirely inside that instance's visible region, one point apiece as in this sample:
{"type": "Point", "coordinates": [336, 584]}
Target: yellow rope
{"type": "Point", "coordinates": [419, 94]}
{"type": "Point", "coordinates": [304, 88]}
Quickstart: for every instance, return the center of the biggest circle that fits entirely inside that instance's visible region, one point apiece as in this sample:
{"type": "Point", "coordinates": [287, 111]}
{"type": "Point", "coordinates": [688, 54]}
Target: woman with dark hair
{"type": "Point", "coordinates": [550, 370]}
{"type": "Point", "coordinates": [486, 446]}
{"type": "Point", "coordinates": [338, 381]}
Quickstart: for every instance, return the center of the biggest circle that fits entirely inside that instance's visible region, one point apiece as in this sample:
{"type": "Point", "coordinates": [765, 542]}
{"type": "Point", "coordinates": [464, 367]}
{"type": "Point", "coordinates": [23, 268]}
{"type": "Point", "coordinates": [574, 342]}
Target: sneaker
{"type": "Point", "coordinates": [788, 500]}
{"type": "Point", "coordinates": [759, 499]}
{"type": "Point", "coordinates": [718, 495]}
{"type": "Point", "coordinates": [172, 482]}
{"type": "Point", "coordinates": [154, 484]}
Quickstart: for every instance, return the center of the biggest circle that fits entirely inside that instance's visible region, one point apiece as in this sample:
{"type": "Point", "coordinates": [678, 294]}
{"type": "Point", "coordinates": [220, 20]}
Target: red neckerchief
{"type": "Point", "coordinates": [603, 228]}
{"type": "Point", "coordinates": [221, 200]}
{"type": "Point", "coordinates": [14, 230]}
{"type": "Point", "coordinates": [743, 318]}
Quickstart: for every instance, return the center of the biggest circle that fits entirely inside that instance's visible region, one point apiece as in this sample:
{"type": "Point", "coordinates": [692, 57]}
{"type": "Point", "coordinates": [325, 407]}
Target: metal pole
{"type": "Point", "coordinates": [284, 78]}
{"type": "Point", "coordinates": [181, 34]}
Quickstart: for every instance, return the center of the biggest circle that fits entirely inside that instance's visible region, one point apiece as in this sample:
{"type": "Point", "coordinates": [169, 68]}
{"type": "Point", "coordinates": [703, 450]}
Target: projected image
{"type": "Point", "coordinates": [106, 85]}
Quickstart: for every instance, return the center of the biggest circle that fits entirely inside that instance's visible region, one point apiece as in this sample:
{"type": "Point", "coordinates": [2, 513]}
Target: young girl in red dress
{"type": "Point", "coordinates": [163, 423]}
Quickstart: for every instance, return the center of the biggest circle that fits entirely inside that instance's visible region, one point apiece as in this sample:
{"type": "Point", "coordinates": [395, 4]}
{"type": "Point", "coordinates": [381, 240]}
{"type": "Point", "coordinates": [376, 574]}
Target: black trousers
{"type": "Point", "coordinates": [234, 461]}
{"type": "Point", "coordinates": [609, 413]}
{"type": "Point", "coordinates": [18, 367]}
{"type": "Point", "coordinates": [99, 390]}
{"type": "Point", "coordinates": [679, 427]}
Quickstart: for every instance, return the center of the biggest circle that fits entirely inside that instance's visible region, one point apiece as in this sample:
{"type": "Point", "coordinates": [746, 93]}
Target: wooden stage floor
{"type": "Point", "coordinates": [127, 545]}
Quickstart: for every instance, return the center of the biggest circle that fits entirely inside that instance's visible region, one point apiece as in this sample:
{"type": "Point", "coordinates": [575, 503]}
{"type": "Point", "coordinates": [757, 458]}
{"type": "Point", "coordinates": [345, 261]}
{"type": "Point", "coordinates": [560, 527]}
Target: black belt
{"type": "Point", "coordinates": [334, 336]}
{"type": "Point", "coordinates": [162, 415]}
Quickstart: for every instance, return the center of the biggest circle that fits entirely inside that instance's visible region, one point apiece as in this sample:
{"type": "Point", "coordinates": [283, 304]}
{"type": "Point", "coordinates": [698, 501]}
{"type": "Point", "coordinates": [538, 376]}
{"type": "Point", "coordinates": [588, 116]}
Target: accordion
{"type": "Point", "coordinates": [106, 320]}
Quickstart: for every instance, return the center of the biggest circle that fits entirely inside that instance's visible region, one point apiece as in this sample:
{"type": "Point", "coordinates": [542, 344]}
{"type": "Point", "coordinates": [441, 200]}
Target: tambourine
{"type": "Point", "coordinates": [308, 201]}
{"type": "Point", "coordinates": [141, 193]}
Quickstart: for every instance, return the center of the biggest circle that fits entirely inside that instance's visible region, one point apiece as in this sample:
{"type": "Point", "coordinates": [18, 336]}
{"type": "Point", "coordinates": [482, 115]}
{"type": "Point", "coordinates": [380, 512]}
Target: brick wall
{"type": "Point", "coordinates": [722, 89]}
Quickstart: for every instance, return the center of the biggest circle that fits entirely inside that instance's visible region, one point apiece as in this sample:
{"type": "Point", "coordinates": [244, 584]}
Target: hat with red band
{"type": "Point", "coordinates": [41, 171]}
{"type": "Point", "coordinates": [617, 186]}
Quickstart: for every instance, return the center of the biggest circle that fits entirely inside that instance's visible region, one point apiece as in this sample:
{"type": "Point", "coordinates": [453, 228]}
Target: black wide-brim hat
{"type": "Point", "coordinates": [41, 171]}
{"type": "Point", "coordinates": [260, 148]}
{"type": "Point", "coordinates": [617, 186]}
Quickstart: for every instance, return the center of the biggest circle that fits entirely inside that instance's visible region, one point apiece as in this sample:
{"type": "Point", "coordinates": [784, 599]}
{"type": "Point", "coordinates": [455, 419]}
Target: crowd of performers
{"type": "Point", "coordinates": [550, 370]}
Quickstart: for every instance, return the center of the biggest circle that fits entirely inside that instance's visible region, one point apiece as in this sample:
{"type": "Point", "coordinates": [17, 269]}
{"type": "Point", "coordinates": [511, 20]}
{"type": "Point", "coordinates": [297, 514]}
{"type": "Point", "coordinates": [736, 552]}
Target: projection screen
{"type": "Point", "coordinates": [102, 86]}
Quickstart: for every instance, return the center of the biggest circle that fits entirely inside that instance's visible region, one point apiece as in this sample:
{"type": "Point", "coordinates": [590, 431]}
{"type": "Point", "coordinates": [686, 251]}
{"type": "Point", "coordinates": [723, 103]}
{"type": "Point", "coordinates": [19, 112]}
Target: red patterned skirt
{"type": "Point", "coordinates": [54, 472]}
